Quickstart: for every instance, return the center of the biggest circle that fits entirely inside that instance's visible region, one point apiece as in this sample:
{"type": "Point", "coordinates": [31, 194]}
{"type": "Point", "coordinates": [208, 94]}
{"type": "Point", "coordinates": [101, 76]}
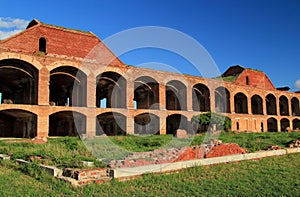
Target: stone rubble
{"type": "Point", "coordinates": [295, 143]}
{"type": "Point", "coordinates": [212, 148]}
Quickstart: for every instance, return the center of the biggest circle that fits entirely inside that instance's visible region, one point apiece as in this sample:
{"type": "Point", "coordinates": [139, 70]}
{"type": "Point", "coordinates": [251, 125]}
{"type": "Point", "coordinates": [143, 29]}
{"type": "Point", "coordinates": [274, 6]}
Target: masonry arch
{"type": "Point", "coordinates": [176, 121]}
{"type": "Point", "coordinates": [201, 98]}
{"type": "Point", "coordinates": [272, 125]}
{"type": "Point", "coordinates": [18, 82]}
{"type": "Point", "coordinates": [176, 98]}
{"type": "Point", "coordinates": [111, 90]}
{"type": "Point", "coordinates": [240, 103]}
{"type": "Point", "coordinates": [271, 104]}
{"type": "Point", "coordinates": [256, 104]}
{"type": "Point", "coordinates": [68, 87]}
{"type": "Point", "coordinates": [284, 124]}
{"type": "Point", "coordinates": [146, 123]}
{"type": "Point", "coordinates": [296, 124]}
{"type": "Point", "coordinates": [295, 106]}
{"type": "Point", "coordinates": [222, 100]}
{"type": "Point", "coordinates": [67, 123]}
{"type": "Point", "coordinates": [284, 106]}
{"type": "Point", "coordinates": [18, 123]}
{"type": "Point", "coordinates": [111, 124]}
{"type": "Point", "coordinates": [146, 93]}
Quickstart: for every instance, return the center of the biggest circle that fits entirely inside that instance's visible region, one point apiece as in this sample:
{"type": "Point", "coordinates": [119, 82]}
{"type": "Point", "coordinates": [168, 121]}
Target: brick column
{"type": "Point", "coordinates": [290, 108]}
{"type": "Point", "coordinates": [264, 106]}
{"type": "Point", "coordinates": [278, 106]}
{"type": "Point", "coordinates": [189, 98]}
{"type": "Point", "coordinates": [249, 105]}
{"type": "Point", "coordinates": [43, 86]}
{"type": "Point", "coordinates": [278, 125]}
{"type": "Point", "coordinates": [43, 122]}
{"type": "Point", "coordinates": [91, 90]}
{"type": "Point", "coordinates": [91, 124]}
{"type": "Point", "coordinates": [130, 125]}
{"type": "Point", "coordinates": [232, 103]}
{"type": "Point", "coordinates": [162, 96]}
{"type": "Point", "coordinates": [212, 101]}
{"type": "Point", "coordinates": [163, 125]}
{"type": "Point", "coordinates": [130, 94]}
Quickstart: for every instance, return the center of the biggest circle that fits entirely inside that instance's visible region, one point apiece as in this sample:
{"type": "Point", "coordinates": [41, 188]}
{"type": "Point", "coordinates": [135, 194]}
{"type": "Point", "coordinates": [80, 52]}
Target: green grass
{"type": "Point", "coordinates": [70, 151]}
{"type": "Point", "coordinates": [60, 152]}
{"type": "Point", "coordinates": [276, 176]}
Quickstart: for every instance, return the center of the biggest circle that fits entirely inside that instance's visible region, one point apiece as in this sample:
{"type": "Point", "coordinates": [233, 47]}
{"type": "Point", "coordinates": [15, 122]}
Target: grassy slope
{"type": "Point", "coordinates": [277, 176]}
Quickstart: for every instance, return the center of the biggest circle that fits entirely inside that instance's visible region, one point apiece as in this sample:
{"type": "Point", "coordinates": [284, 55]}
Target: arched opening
{"type": "Point", "coordinates": [262, 126]}
{"type": "Point", "coordinates": [257, 104]}
{"type": "Point", "coordinates": [176, 121]}
{"type": "Point", "coordinates": [67, 123]}
{"type": "Point", "coordinates": [284, 106]}
{"type": "Point", "coordinates": [295, 107]}
{"type": "Point", "coordinates": [175, 95]}
{"type": "Point", "coordinates": [284, 124]}
{"type": "Point", "coordinates": [146, 93]}
{"type": "Point", "coordinates": [111, 123]}
{"type": "Point", "coordinates": [222, 100]}
{"type": "Point", "coordinates": [67, 87]}
{"type": "Point", "coordinates": [296, 124]}
{"type": "Point", "coordinates": [272, 125]}
{"type": "Point", "coordinates": [18, 82]}
{"type": "Point", "coordinates": [146, 123]}
{"type": "Point", "coordinates": [18, 123]}
{"type": "Point", "coordinates": [271, 104]}
{"type": "Point", "coordinates": [111, 88]}
{"type": "Point", "coordinates": [201, 98]}
{"type": "Point", "coordinates": [240, 103]}
{"type": "Point", "coordinates": [42, 45]}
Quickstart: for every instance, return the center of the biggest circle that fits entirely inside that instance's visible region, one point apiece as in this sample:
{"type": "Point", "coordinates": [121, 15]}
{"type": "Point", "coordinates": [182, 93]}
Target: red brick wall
{"type": "Point", "coordinates": [255, 78]}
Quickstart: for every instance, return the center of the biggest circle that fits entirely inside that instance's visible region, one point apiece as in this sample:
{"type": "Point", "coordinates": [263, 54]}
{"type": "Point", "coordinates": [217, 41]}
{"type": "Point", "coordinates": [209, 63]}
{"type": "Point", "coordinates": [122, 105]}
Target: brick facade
{"type": "Point", "coordinates": [155, 91]}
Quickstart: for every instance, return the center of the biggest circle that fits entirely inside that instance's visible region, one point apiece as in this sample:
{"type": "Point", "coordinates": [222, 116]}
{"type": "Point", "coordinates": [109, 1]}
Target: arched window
{"type": "Point", "coordinates": [42, 45]}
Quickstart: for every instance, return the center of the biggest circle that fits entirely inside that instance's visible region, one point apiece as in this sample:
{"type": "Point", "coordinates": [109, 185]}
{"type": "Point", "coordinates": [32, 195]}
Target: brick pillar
{"type": "Point", "coordinates": [264, 105]}
{"type": "Point", "coordinates": [163, 125]}
{"type": "Point", "coordinates": [278, 125]}
{"type": "Point", "coordinates": [232, 103]}
{"type": "Point", "coordinates": [278, 106]}
{"type": "Point", "coordinates": [290, 108]}
{"type": "Point", "coordinates": [43, 86]}
{"type": "Point", "coordinates": [130, 94]}
{"type": "Point", "coordinates": [130, 125]}
{"type": "Point", "coordinates": [265, 122]}
{"type": "Point", "coordinates": [162, 96]}
{"type": "Point", "coordinates": [43, 123]}
{"type": "Point", "coordinates": [91, 90]}
{"type": "Point", "coordinates": [249, 105]}
{"type": "Point", "coordinates": [189, 98]}
{"type": "Point", "coordinates": [212, 101]}
{"type": "Point", "coordinates": [91, 124]}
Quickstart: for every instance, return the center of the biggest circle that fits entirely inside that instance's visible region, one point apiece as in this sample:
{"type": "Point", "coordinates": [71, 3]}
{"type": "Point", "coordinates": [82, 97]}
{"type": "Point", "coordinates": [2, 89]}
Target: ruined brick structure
{"type": "Point", "coordinates": [47, 80]}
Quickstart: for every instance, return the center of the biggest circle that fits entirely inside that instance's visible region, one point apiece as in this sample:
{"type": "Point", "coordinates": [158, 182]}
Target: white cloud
{"type": "Point", "coordinates": [10, 26]}
{"type": "Point", "coordinates": [297, 84]}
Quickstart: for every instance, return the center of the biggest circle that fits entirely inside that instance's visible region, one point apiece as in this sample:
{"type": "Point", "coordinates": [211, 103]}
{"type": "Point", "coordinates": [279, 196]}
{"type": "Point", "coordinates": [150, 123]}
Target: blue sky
{"type": "Point", "coordinates": [263, 35]}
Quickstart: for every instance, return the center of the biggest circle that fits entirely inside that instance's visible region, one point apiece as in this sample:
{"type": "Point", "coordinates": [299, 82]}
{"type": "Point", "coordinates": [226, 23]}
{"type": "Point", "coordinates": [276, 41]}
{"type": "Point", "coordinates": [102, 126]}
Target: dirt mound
{"type": "Point", "coordinates": [224, 150]}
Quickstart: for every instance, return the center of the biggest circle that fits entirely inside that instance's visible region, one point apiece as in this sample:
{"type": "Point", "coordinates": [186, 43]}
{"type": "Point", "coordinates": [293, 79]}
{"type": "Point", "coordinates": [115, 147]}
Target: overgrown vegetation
{"type": "Point", "coordinates": [276, 176]}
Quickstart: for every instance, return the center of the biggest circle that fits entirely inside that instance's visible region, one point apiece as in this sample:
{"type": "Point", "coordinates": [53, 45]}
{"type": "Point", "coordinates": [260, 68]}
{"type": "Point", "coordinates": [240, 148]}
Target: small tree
{"type": "Point", "coordinates": [209, 119]}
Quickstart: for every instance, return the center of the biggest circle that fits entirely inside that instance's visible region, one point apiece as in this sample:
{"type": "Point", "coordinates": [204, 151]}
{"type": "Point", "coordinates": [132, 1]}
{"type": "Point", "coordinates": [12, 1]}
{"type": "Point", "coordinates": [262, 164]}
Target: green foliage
{"type": "Point", "coordinates": [211, 118]}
